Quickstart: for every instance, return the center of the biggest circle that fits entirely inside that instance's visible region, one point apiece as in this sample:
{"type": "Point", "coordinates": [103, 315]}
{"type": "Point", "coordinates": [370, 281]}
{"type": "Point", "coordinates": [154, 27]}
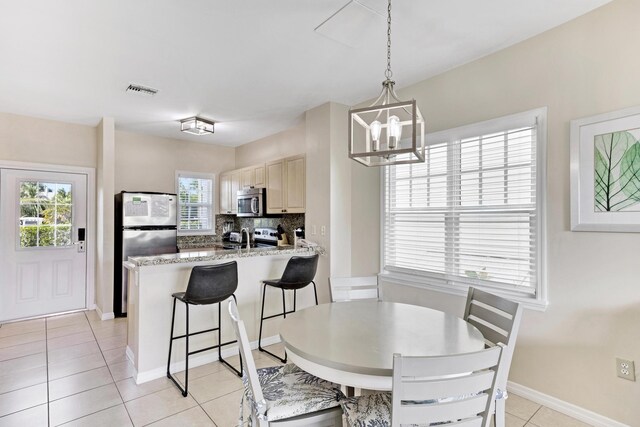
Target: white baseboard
{"type": "Point", "coordinates": [229, 351]}
{"type": "Point", "coordinates": [104, 316]}
{"type": "Point", "coordinates": [563, 407]}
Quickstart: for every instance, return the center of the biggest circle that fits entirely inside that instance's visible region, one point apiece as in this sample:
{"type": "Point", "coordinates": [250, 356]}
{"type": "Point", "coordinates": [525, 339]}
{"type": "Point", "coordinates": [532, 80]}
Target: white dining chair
{"type": "Point", "coordinates": [499, 320]}
{"type": "Point", "coordinates": [285, 395]}
{"type": "Point", "coordinates": [353, 288]}
{"type": "Point", "coordinates": [432, 389]}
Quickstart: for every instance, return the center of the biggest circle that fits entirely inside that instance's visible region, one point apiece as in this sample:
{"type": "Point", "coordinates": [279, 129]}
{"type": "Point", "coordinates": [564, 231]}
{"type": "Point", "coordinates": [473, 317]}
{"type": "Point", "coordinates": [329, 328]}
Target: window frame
{"type": "Point", "coordinates": [535, 297]}
{"type": "Point", "coordinates": [196, 175]}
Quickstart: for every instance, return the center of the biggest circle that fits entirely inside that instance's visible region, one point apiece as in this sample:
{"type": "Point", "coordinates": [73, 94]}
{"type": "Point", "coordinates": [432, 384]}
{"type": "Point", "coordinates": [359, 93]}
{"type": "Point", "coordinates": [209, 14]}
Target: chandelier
{"type": "Point", "coordinates": [389, 131]}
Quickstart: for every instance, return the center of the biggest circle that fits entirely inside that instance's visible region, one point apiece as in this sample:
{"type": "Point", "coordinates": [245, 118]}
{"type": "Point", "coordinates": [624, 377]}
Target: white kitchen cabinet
{"type": "Point", "coordinates": [286, 185]}
{"type": "Point", "coordinates": [253, 176]}
{"type": "Point", "coordinates": [229, 185]}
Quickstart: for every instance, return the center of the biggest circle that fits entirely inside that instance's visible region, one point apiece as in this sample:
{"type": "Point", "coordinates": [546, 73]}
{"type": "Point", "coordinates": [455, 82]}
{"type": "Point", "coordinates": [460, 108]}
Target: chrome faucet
{"type": "Point", "coordinates": [243, 231]}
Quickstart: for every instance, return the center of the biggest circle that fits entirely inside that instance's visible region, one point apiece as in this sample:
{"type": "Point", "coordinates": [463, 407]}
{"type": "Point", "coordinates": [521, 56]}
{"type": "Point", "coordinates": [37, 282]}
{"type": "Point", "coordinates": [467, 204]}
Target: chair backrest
{"type": "Point", "coordinates": [300, 270]}
{"type": "Point", "coordinates": [498, 319]}
{"type": "Point", "coordinates": [212, 283]}
{"type": "Point", "coordinates": [353, 288]}
{"type": "Point", "coordinates": [437, 389]}
{"type": "Point", "coordinates": [250, 370]}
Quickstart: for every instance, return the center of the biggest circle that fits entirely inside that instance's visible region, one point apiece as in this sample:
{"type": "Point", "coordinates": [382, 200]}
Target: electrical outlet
{"type": "Point", "coordinates": [626, 369]}
{"type": "Point", "coordinates": [323, 230]}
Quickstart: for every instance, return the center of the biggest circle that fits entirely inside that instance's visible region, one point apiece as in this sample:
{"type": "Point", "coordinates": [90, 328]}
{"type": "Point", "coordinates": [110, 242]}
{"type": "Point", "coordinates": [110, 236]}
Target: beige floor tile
{"type": "Point", "coordinates": [77, 383]}
{"type": "Point", "coordinates": [112, 342]}
{"type": "Point", "coordinates": [23, 350]}
{"type": "Point", "coordinates": [23, 363]}
{"type": "Point", "coordinates": [64, 331]}
{"type": "Point", "coordinates": [24, 398]}
{"type": "Point", "coordinates": [75, 366]}
{"type": "Point", "coordinates": [66, 320]}
{"type": "Point", "coordinates": [20, 339]}
{"type": "Point", "coordinates": [511, 421]}
{"type": "Point", "coordinates": [73, 352]}
{"type": "Point", "coordinates": [521, 407]}
{"type": "Point", "coordinates": [111, 330]}
{"type": "Point", "coordinates": [23, 378]}
{"type": "Point", "coordinates": [214, 385]}
{"type": "Point", "coordinates": [116, 355]}
{"type": "Point", "coordinates": [225, 410]}
{"type": "Point", "coordinates": [69, 340]}
{"type": "Point", "coordinates": [129, 390]}
{"type": "Point", "coordinates": [92, 316]}
{"type": "Point", "coordinates": [32, 417]}
{"type": "Point", "coordinates": [82, 404]}
{"type": "Point", "coordinates": [194, 417]}
{"type": "Point", "coordinates": [10, 329]}
{"type": "Point", "coordinates": [112, 417]}
{"type": "Point", "coordinates": [546, 417]}
{"type": "Point", "coordinates": [200, 371]}
{"type": "Point", "coordinates": [122, 370]}
{"type": "Point", "coordinates": [157, 406]}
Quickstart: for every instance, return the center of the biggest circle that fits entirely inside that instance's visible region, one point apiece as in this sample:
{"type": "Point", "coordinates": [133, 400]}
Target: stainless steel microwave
{"type": "Point", "coordinates": [252, 202]}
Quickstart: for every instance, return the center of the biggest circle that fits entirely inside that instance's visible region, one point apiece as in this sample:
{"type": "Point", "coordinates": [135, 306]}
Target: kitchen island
{"type": "Point", "coordinates": [153, 279]}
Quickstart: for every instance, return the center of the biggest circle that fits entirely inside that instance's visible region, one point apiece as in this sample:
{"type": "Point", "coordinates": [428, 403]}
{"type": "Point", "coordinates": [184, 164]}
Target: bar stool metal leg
{"type": "Point", "coordinates": [262, 319]}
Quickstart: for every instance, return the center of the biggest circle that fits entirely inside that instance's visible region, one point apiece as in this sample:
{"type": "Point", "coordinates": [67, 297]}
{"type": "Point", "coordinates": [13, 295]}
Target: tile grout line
{"type": "Point", "coordinates": [109, 370]}
{"type": "Point", "coordinates": [46, 355]}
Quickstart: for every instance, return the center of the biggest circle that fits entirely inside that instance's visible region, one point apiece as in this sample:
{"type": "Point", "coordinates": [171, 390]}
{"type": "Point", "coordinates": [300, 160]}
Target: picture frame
{"type": "Point", "coordinates": [605, 172]}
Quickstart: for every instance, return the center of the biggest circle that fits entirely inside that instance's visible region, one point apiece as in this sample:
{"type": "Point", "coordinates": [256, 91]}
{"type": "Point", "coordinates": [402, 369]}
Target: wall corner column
{"type": "Point", "coordinates": [105, 190]}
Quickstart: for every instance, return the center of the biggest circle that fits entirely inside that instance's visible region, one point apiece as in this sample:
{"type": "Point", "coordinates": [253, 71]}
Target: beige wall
{"type": "Point", "coordinates": [29, 139]}
{"type": "Point", "coordinates": [149, 163]}
{"type": "Point", "coordinates": [283, 144]}
{"type": "Point", "coordinates": [585, 67]}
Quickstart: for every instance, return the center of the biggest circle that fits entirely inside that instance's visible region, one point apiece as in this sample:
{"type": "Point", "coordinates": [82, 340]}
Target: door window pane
{"type": "Point", "coordinates": [45, 214]}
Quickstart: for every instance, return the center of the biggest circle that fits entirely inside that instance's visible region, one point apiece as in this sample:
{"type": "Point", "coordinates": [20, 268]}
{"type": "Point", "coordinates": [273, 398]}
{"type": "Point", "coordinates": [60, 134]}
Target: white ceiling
{"type": "Point", "coordinates": [254, 66]}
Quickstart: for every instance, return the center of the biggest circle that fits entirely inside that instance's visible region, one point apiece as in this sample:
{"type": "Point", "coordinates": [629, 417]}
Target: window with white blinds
{"type": "Point", "coordinates": [195, 203]}
{"type": "Point", "coordinates": [471, 213]}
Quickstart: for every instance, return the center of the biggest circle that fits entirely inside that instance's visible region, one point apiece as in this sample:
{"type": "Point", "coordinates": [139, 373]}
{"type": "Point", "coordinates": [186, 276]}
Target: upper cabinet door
{"type": "Point", "coordinates": [236, 183]}
{"type": "Point", "coordinates": [275, 187]}
{"type": "Point", "coordinates": [295, 188]}
{"type": "Point", "coordinates": [248, 178]}
{"type": "Point", "coordinates": [286, 185]}
{"type": "Point", "coordinates": [260, 178]}
{"type": "Point", "coordinates": [225, 194]}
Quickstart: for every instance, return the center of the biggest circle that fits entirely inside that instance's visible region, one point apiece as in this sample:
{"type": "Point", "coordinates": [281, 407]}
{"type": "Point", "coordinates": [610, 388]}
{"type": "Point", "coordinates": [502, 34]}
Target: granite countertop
{"type": "Point", "coordinates": [214, 254]}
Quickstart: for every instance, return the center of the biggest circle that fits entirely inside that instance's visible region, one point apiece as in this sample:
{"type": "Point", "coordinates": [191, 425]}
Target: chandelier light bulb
{"type": "Point", "coordinates": [376, 128]}
{"type": "Point", "coordinates": [394, 130]}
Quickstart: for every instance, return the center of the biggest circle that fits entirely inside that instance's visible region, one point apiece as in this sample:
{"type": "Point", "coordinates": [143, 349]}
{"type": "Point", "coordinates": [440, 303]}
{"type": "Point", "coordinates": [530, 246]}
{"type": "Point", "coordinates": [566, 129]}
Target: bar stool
{"type": "Point", "coordinates": [299, 272]}
{"type": "Point", "coordinates": [209, 284]}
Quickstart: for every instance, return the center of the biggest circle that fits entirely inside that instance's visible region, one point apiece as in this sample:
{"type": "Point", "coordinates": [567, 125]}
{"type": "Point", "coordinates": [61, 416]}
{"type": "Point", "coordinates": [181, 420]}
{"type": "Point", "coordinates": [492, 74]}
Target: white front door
{"type": "Point", "coordinates": [43, 259]}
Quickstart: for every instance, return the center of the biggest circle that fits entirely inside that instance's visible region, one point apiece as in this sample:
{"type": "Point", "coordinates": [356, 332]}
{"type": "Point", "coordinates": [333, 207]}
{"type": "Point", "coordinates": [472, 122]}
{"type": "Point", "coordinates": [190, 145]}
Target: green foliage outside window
{"type": "Point", "coordinates": [45, 214]}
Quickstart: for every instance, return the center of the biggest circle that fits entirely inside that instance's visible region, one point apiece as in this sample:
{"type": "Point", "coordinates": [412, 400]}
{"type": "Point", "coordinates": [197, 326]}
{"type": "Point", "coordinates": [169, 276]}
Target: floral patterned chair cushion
{"type": "Point", "coordinates": [289, 391]}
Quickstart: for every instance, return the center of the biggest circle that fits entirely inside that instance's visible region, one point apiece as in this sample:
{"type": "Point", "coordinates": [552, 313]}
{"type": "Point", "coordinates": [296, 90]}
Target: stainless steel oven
{"type": "Point", "coordinates": [251, 202]}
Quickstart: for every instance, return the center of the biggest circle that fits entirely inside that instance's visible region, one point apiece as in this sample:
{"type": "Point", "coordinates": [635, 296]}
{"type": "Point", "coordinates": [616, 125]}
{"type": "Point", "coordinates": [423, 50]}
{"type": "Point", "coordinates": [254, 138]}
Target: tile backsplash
{"type": "Point", "coordinates": [289, 222]}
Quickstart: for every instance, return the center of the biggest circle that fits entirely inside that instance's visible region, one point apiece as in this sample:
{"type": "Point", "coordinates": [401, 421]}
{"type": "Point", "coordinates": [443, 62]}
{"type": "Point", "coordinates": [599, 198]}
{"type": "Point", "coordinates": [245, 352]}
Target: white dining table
{"type": "Point", "coordinates": [352, 343]}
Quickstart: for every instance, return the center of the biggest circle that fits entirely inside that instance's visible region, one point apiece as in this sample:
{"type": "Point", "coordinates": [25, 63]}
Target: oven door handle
{"type": "Point", "coordinates": [254, 205]}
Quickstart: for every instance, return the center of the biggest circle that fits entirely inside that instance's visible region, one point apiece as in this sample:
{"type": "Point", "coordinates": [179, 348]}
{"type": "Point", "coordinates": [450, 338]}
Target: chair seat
{"type": "Point", "coordinates": [277, 283]}
{"type": "Point", "coordinates": [202, 301]}
{"type": "Point", "coordinates": [289, 391]}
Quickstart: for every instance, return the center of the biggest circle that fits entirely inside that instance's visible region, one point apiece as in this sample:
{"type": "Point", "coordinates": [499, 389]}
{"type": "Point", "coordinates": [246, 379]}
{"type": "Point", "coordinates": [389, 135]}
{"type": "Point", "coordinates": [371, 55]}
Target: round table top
{"type": "Point", "coordinates": [360, 337]}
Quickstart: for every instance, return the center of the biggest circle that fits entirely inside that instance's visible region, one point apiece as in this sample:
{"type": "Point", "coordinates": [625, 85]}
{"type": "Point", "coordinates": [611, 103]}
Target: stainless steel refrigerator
{"type": "Point", "coordinates": [145, 224]}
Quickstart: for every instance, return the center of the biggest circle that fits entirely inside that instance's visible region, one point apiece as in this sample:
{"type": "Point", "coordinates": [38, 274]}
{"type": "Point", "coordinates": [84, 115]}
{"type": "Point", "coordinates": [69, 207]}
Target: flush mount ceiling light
{"type": "Point", "coordinates": [376, 132]}
{"type": "Point", "coordinates": [196, 126]}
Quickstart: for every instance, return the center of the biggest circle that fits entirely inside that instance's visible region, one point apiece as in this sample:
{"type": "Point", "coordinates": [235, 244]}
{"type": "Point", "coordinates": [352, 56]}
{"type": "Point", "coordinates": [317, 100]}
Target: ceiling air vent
{"type": "Point", "coordinates": [142, 89]}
